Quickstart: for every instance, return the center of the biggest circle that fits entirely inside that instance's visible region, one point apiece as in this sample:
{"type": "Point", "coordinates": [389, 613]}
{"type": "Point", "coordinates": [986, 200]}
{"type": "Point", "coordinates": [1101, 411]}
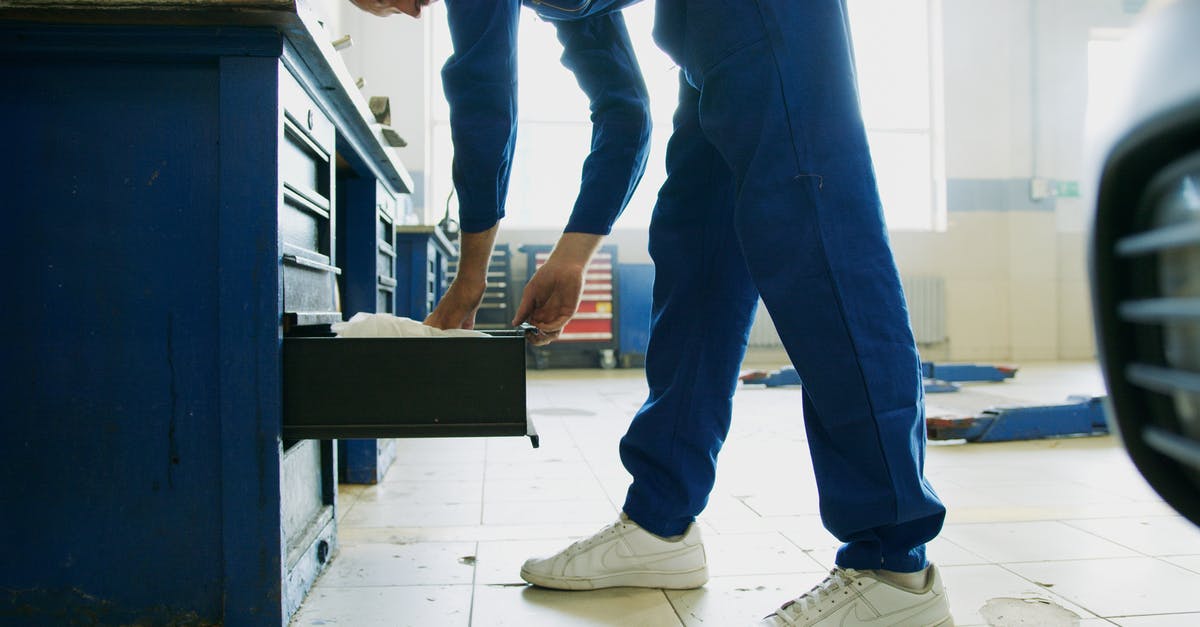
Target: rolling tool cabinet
{"type": "Point", "coordinates": [196, 192]}
{"type": "Point", "coordinates": [590, 339]}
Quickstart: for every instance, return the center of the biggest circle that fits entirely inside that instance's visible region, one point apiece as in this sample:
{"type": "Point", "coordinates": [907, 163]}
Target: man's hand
{"type": "Point", "coordinates": [385, 8]}
{"type": "Point", "coordinates": [553, 293]}
{"type": "Point", "coordinates": [457, 308]}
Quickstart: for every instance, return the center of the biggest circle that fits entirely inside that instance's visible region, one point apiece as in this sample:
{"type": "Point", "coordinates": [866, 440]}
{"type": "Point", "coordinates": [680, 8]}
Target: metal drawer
{"type": "Point", "coordinates": [405, 387]}
{"type": "Point", "coordinates": [307, 213]}
{"type": "Point", "coordinates": [305, 115]}
{"type": "Point", "coordinates": [309, 282]}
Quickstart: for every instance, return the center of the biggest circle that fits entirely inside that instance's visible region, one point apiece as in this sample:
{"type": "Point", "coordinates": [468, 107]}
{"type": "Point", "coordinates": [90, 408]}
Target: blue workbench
{"type": "Point", "coordinates": [145, 476]}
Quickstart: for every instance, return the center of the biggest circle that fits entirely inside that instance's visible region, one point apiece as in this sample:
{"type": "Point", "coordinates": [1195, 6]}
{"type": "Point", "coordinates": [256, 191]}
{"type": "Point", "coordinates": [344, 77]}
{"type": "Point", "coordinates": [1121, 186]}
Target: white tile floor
{"type": "Point", "coordinates": [1052, 532]}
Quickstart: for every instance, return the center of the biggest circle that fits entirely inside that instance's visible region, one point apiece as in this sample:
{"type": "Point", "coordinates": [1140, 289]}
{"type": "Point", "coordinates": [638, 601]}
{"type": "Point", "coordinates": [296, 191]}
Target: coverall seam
{"type": "Point", "coordinates": [820, 239]}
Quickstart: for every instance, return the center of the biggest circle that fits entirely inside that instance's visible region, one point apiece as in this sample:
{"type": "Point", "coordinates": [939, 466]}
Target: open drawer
{"type": "Point", "coordinates": [405, 387]}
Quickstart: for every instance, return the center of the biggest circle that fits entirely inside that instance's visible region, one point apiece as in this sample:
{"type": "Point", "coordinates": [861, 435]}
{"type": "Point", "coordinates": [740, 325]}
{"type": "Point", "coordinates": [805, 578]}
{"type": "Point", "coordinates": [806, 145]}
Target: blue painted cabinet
{"type": "Point", "coordinates": [172, 207]}
{"type": "Point", "coordinates": [423, 257]}
{"type": "Point", "coordinates": [368, 256]}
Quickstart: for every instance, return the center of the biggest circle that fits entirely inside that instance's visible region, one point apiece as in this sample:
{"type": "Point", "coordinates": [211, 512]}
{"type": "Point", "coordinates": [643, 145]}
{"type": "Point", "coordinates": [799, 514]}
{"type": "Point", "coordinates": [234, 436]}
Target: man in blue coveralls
{"type": "Point", "coordinates": [770, 191]}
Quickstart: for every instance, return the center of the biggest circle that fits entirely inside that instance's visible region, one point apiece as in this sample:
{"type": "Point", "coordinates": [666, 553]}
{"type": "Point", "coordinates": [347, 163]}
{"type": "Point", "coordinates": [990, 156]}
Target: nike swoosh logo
{"type": "Point", "coordinates": [612, 559]}
{"type": "Point", "coordinates": [894, 618]}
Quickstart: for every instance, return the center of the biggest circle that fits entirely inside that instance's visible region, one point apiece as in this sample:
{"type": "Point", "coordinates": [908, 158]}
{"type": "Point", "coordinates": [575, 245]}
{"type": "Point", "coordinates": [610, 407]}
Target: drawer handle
{"type": "Point", "coordinates": [387, 282]}
{"type": "Point", "coordinates": [309, 263]}
{"type": "Point", "coordinates": [312, 201]}
{"type": "Point", "coordinates": [294, 127]}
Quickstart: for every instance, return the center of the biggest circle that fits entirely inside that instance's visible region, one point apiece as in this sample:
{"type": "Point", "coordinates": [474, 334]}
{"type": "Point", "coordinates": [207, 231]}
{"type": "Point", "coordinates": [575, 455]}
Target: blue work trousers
{"type": "Point", "coordinates": [771, 191]}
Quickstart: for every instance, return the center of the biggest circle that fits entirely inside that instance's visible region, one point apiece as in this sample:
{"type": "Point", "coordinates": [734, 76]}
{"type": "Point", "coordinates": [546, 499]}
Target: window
{"type": "Point", "coordinates": [895, 55]}
{"type": "Point", "coordinates": [897, 52]}
{"type": "Point", "coordinates": [1107, 69]}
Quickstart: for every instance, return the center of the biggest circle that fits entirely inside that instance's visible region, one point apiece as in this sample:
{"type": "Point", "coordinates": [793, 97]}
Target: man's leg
{"type": "Point", "coordinates": [782, 108]}
{"type": "Point", "coordinates": [703, 307]}
{"type": "Point", "coordinates": [783, 111]}
{"type": "Point", "coordinates": [704, 303]}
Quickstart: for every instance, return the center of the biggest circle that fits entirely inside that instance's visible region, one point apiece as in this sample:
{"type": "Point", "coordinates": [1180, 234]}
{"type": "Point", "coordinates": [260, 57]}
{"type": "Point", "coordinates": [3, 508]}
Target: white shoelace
{"type": "Point", "coordinates": [600, 536]}
{"type": "Point", "coordinates": [836, 585]}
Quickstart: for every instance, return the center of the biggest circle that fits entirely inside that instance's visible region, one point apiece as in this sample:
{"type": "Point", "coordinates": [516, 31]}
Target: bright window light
{"type": "Point", "coordinates": [1107, 68]}
{"type": "Point", "coordinates": [894, 55]}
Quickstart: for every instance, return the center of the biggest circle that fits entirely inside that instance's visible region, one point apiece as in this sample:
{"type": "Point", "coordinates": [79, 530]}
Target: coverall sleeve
{"type": "Point", "coordinates": [480, 81]}
{"type": "Point", "coordinates": [598, 51]}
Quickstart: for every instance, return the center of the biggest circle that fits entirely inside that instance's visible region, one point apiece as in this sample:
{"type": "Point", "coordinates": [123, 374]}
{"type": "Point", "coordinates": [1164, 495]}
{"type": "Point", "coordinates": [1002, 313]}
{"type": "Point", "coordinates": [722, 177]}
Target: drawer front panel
{"type": "Point", "coordinates": [404, 387]}
{"type": "Point", "coordinates": [309, 283]}
{"type": "Point", "coordinates": [302, 166]}
{"type": "Point", "coordinates": [385, 229]}
{"type": "Point", "coordinates": [385, 263]}
{"type": "Point", "coordinates": [385, 301]}
{"type": "Point", "coordinates": [307, 216]}
{"type": "Point", "coordinates": [304, 114]}
{"type": "Point", "coordinates": [302, 495]}
{"type": "Point", "coordinates": [300, 226]}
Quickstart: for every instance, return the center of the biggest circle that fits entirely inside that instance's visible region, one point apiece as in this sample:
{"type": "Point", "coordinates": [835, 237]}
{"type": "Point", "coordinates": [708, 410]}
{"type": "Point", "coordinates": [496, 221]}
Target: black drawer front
{"type": "Point", "coordinates": [404, 387]}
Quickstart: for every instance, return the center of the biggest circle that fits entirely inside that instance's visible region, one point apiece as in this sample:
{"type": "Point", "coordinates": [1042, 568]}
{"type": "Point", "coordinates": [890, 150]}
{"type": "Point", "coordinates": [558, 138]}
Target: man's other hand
{"type": "Point", "coordinates": [550, 299]}
{"type": "Point", "coordinates": [457, 308]}
{"type": "Point", "coordinates": [385, 8]}
{"type": "Point", "coordinates": [554, 291]}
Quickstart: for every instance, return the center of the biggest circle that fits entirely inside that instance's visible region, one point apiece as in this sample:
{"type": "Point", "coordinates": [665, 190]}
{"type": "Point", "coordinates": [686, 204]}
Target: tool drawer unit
{"type": "Point", "coordinates": [372, 225]}
{"type": "Point", "coordinates": [181, 253]}
{"type": "Point", "coordinates": [590, 338]}
{"type": "Point", "coordinates": [367, 231]}
{"type": "Point", "coordinates": [497, 309]}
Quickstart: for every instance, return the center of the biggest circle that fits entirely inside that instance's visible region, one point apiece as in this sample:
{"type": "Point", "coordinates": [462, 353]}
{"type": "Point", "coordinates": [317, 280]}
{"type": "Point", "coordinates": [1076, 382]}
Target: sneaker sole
{"type": "Point", "coordinates": [668, 581]}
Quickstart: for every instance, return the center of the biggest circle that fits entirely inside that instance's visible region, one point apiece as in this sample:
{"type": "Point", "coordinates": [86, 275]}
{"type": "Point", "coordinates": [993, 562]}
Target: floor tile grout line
{"type": "Point", "coordinates": [1161, 558]}
{"type": "Point", "coordinates": [591, 469]}
{"type": "Point", "coordinates": [674, 610]}
{"type": "Point", "coordinates": [483, 479]}
{"type": "Point", "coordinates": [474, 579]}
{"type": "Point", "coordinates": [960, 547]}
{"type": "Point", "coordinates": [1049, 591]}
{"type": "Point", "coordinates": [807, 553]}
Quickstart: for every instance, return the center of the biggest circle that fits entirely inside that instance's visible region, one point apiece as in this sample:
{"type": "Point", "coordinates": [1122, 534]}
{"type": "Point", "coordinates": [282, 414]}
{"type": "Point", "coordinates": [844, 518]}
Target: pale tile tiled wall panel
{"type": "Point", "coordinates": [1033, 316]}
{"type": "Point", "coordinates": [1076, 339]}
{"type": "Point", "coordinates": [977, 319]}
{"type": "Point", "coordinates": [1032, 245]}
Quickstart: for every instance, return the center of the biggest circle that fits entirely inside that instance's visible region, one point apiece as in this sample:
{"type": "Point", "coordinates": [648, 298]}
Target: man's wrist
{"type": "Point", "coordinates": [474, 255]}
{"type": "Point", "coordinates": [576, 249]}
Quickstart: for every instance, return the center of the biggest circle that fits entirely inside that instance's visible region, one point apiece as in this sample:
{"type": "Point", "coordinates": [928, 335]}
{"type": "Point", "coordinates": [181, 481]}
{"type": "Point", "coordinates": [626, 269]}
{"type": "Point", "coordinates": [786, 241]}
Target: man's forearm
{"type": "Point", "coordinates": [600, 55]}
{"type": "Point", "coordinates": [474, 255]}
{"type": "Point", "coordinates": [575, 249]}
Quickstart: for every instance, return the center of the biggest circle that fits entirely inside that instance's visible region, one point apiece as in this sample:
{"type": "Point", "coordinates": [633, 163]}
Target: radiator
{"type": "Point", "coordinates": [926, 308]}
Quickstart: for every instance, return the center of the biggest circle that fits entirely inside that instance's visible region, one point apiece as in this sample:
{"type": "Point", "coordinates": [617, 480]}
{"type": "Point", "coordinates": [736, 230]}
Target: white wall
{"type": "Point", "coordinates": [1015, 94]}
{"type": "Point", "coordinates": [392, 56]}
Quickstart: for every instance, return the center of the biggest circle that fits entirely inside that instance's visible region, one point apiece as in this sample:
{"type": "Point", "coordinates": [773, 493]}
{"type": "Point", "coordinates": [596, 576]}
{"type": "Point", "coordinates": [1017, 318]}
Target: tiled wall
{"type": "Point", "coordinates": [1016, 289]}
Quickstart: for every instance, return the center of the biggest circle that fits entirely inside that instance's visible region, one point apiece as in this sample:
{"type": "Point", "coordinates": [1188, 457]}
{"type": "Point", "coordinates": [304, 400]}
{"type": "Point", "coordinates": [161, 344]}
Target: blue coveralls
{"type": "Point", "coordinates": [770, 191]}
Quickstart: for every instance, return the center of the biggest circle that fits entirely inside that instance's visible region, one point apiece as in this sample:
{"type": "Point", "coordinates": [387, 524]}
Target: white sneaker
{"type": "Point", "coordinates": [623, 554]}
{"type": "Point", "coordinates": [855, 597]}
